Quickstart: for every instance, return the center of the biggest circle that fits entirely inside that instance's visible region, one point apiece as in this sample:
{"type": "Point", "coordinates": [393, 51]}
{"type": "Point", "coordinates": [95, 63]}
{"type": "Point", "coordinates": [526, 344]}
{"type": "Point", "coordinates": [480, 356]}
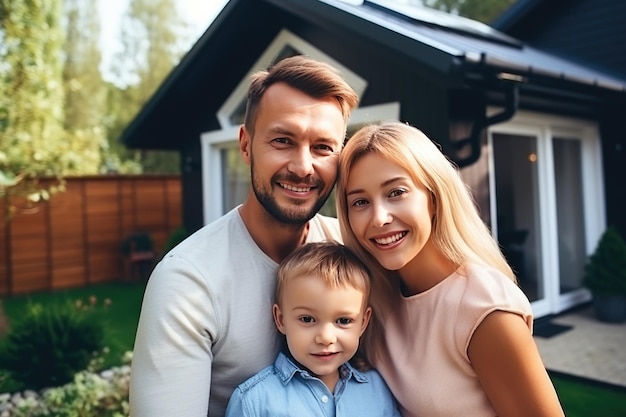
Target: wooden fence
{"type": "Point", "coordinates": [74, 239]}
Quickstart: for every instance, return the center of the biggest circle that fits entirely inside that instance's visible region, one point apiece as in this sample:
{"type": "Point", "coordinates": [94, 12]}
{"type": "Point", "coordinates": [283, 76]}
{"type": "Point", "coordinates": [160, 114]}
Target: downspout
{"type": "Point", "coordinates": [511, 90]}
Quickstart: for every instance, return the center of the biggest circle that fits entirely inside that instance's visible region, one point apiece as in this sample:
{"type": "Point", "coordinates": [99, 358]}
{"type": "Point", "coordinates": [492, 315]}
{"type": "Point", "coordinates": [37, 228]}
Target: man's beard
{"type": "Point", "coordinates": [294, 215]}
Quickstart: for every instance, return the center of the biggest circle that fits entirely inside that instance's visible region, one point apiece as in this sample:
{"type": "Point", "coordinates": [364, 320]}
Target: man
{"type": "Point", "coordinates": [206, 320]}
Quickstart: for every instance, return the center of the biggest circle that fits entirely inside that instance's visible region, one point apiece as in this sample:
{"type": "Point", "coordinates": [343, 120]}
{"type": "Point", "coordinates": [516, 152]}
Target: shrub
{"type": "Point", "coordinates": [605, 271]}
{"type": "Point", "coordinates": [47, 347]}
{"type": "Point", "coordinates": [89, 394]}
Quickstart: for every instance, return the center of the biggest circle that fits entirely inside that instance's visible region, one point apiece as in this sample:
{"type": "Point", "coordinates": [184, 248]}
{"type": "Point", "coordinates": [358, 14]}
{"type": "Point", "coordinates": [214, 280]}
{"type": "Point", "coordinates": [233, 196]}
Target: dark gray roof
{"type": "Point", "coordinates": [473, 43]}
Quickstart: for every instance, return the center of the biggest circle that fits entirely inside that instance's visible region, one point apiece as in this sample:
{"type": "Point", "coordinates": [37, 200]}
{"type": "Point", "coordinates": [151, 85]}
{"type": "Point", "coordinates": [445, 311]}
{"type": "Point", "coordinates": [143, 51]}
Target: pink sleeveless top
{"type": "Point", "coordinates": [424, 358]}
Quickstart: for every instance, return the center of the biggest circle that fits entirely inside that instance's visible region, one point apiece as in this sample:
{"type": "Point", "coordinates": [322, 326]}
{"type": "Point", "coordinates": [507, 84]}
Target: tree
{"type": "Point", "coordinates": [116, 157]}
{"type": "Point", "coordinates": [55, 107]}
{"type": "Point", "coordinates": [32, 141]}
{"type": "Point", "coordinates": [85, 91]}
{"type": "Point", "coordinates": [482, 10]}
{"type": "Point", "coordinates": [151, 48]}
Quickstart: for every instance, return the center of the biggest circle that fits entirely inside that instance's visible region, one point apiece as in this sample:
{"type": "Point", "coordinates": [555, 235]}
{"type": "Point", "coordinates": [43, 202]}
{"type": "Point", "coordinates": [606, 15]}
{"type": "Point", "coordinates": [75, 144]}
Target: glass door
{"type": "Point", "coordinates": [571, 215]}
{"type": "Point", "coordinates": [547, 204]}
{"type": "Point", "coordinates": [518, 221]}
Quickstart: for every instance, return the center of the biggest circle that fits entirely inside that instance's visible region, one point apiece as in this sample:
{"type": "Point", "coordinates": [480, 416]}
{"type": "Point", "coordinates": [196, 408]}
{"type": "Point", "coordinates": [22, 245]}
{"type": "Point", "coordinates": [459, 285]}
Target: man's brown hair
{"type": "Point", "coordinates": [314, 78]}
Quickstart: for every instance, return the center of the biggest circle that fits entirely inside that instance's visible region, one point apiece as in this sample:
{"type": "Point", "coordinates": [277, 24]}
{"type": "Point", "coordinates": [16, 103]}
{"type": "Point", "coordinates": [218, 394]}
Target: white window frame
{"type": "Point", "coordinates": [545, 127]}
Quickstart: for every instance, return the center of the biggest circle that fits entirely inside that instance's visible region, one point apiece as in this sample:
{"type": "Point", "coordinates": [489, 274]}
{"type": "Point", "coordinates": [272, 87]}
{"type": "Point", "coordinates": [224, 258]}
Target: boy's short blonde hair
{"type": "Point", "coordinates": [337, 265]}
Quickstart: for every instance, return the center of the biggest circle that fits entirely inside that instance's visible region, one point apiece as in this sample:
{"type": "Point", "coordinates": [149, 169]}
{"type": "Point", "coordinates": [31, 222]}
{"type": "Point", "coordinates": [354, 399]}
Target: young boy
{"type": "Point", "coordinates": [322, 309]}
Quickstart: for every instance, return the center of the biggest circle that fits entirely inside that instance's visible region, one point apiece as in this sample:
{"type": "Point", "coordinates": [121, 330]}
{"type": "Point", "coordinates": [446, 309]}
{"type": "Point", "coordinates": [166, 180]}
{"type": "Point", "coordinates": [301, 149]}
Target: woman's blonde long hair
{"type": "Point", "coordinates": [457, 231]}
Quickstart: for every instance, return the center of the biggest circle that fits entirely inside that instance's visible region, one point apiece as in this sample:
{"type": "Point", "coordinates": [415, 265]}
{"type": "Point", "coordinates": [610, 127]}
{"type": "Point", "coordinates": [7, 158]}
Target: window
{"type": "Point", "coordinates": [547, 202]}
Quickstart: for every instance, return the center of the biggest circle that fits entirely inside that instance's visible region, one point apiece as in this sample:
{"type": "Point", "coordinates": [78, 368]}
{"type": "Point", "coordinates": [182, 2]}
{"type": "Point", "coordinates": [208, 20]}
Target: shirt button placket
{"type": "Point", "coordinates": [328, 404]}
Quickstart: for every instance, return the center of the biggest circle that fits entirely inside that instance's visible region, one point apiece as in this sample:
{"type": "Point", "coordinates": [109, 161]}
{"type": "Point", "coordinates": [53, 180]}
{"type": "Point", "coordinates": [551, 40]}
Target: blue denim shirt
{"type": "Point", "coordinates": [285, 390]}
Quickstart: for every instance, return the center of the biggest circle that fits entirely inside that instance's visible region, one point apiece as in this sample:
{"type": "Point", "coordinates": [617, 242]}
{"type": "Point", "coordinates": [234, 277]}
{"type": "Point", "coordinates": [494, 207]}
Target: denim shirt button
{"type": "Point", "coordinates": [324, 398]}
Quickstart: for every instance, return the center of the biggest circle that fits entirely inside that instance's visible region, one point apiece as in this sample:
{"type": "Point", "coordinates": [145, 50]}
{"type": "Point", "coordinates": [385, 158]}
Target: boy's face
{"type": "Point", "coordinates": [322, 325]}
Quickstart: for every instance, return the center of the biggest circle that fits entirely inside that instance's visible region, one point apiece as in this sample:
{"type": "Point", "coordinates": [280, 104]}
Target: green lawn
{"type": "Point", "coordinates": [580, 398]}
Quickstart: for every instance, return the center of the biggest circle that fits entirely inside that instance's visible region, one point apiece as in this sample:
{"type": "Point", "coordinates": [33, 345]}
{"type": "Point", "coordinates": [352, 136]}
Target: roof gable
{"type": "Point", "coordinates": [284, 44]}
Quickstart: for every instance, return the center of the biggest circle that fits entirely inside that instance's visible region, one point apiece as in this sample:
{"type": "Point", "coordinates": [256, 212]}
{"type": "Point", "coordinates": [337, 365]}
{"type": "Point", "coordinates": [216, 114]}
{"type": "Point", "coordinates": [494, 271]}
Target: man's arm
{"type": "Point", "coordinates": [171, 367]}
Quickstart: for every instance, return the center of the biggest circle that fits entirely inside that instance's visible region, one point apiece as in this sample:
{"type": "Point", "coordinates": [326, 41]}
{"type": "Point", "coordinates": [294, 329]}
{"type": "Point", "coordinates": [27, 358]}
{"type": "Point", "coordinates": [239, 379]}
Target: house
{"type": "Point", "coordinates": [538, 137]}
{"type": "Point", "coordinates": [590, 32]}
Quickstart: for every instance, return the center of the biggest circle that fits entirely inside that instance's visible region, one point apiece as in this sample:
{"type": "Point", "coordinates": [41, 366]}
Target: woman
{"type": "Point", "coordinates": [453, 332]}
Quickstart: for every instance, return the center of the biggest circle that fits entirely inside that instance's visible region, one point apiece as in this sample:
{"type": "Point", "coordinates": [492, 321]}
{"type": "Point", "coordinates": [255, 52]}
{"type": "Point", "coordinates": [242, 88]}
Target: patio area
{"type": "Point", "coordinates": [585, 347]}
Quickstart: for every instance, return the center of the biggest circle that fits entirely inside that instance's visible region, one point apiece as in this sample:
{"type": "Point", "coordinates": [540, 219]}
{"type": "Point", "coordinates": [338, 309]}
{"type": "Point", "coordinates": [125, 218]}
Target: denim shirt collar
{"type": "Point", "coordinates": [286, 369]}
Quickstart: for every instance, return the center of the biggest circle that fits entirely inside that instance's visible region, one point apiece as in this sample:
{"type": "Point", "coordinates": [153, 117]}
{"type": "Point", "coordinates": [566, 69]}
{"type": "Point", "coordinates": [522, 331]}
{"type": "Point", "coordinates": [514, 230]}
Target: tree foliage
{"type": "Point", "coordinates": [32, 139]}
{"type": "Point", "coordinates": [58, 116]}
{"type": "Point", "coordinates": [481, 10]}
{"type": "Point", "coordinates": [85, 92]}
{"type": "Point", "coordinates": [151, 48]}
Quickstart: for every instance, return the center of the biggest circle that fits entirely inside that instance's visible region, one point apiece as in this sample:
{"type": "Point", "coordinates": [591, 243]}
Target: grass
{"type": "Point", "coordinates": [121, 315]}
{"type": "Point", "coordinates": [580, 397]}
